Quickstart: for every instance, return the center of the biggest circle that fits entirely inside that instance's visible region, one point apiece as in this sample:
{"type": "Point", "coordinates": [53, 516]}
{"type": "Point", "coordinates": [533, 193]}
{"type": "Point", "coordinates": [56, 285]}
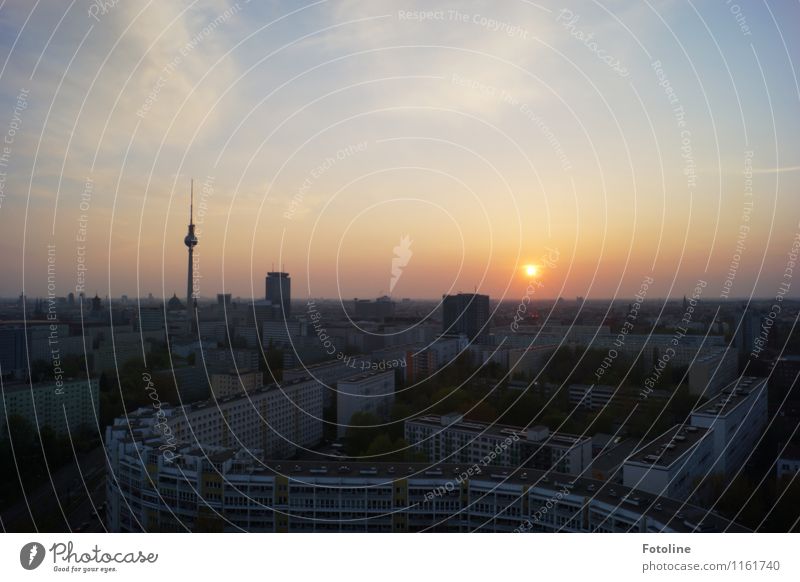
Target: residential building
{"type": "Point", "coordinates": [467, 314]}
{"type": "Point", "coordinates": [218, 490]}
{"type": "Point", "coordinates": [672, 464]}
{"type": "Point", "coordinates": [279, 292]}
{"type": "Point", "coordinates": [450, 438]}
{"type": "Point", "coordinates": [371, 392]}
{"type": "Point", "coordinates": [709, 373]}
{"type": "Point", "coordinates": [737, 416]}
{"type": "Point", "coordinates": [65, 408]}
{"type": "Point", "coordinates": [236, 382]}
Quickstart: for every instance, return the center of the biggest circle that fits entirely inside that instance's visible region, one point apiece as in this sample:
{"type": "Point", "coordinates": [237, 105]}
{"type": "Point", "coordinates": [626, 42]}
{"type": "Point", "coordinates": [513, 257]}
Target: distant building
{"type": "Point", "coordinates": [65, 409]}
{"type": "Point", "coordinates": [279, 291]}
{"type": "Point", "coordinates": [222, 360]}
{"type": "Point", "coordinates": [191, 382]}
{"type": "Point", "coordinates": [648, 347]}
{"type": "Point", "coordinates": [281, 332]}
{"type": "Point", "coordinates": [13, 355]}
{"type": "Point", "coordinates": [329, 373]}
{"type": "Point", "coordinates": [247, 334]}
{"type": "Point", "coordinates": [784, 385]}
{"type": "Point", "coordinates": [421, 360]}
{"type": "Point", "coordinates": [236, 383]}
{"type": "Point", "coordinates": [748, 330]}
{"type": "Point", "coordinates": [466, 313]}
{"type": "Point", "coordinates": [710, 372]}
{"type": "Point", "coordinates": [381, 308]}
{"type": "Point", "coordinates": [788, 463]}
{"type": "Point", "coordinates": [526, 361]}
{"type": "Point", "coordinates": [223, 299]}
{"type": "Point", "coordinates": [150, 319]}
{"type": "Point", "coordinates": [597, 396]}
{"type": "Point", "coordinates": [215, 331]}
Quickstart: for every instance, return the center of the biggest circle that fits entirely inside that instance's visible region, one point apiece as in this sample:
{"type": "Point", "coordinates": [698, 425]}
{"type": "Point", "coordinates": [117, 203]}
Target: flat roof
{"type": "Point", "coordinates": [364, 376]}
{"type": "Point", "coordinates": [715, 352]}
{"type": "Point", "coordinates": [498, 430]}
{"type": "Point", "coordinates": [326, 363]}
{"type": "Point", "coordinates": [584, 489]}
{"type": "Point", "coordinates": [731, 397]}
{"type": "Point", "coordinates": [670, 447]}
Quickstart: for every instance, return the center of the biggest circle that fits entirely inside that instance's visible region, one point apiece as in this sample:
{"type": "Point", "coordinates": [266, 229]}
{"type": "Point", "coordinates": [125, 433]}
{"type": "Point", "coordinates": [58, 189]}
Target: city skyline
{"type": "Point", "coordinates": [447, 266]}
{"type": "Point", "coordinates": [308, 130]}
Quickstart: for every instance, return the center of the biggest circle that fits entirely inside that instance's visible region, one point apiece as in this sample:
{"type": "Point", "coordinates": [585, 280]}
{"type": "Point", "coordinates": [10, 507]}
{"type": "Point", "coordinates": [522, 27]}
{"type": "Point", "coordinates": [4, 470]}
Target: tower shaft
{"type": "Point", "coordinates": [190, 241]}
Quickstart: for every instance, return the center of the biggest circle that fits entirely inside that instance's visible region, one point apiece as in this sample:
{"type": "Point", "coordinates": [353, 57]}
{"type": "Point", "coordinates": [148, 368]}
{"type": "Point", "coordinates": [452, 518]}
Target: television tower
{"type": "Point", "coordinates": [190, 241]}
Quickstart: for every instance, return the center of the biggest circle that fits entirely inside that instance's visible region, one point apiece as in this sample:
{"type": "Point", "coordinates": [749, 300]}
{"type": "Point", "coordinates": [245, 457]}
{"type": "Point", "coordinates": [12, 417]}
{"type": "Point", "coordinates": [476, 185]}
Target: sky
{"type": "Point", "coordinates": [609, 143]}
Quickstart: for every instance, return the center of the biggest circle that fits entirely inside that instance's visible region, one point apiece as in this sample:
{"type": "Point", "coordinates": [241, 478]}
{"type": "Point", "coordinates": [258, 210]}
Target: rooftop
{"type": "Point", "coordinates": [364, 376]}
{"type": "Point", "coordinates": [731, 397]}
{"type": "Point", "coordinates": [670, 447]}
{"type": "Point", "coordinates": [677, 514]}
{"type": "Point", "coordinates": [536, 433]}
{"type": "Point", "coordinates": [713, 354]}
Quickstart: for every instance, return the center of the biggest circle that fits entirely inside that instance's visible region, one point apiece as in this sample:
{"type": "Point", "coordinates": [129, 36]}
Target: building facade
{"type": "Point", "coordinates": [449, 438]}
{"type": "Point", "coordinates": [218, 491]}
{"type": "Point", "coordinates": [66, 408]}
{"type": "Point", "coordinates": [279, 292]}
{"type": "Point", "coordinates": [371, 392]}
{"type": "Point", "coordinates": [467, 314]}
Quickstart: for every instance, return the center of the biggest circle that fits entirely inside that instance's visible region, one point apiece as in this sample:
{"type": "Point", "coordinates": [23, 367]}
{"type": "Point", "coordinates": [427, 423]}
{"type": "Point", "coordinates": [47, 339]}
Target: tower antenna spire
{"type": "Point", "coordinates": [191, 202]}
{"type": "Point", "coordinates": [190, 241]}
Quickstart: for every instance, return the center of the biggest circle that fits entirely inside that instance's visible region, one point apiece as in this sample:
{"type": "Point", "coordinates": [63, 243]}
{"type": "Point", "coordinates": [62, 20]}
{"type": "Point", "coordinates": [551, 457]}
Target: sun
{"type": "Point", "coordinates": [531, 270]}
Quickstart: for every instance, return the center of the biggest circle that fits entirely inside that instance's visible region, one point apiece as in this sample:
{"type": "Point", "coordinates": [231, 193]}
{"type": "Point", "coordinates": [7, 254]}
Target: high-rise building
{"type": "Point", "coordinates": [13, 356]}
{"type": "Point", "coordinates": [748, 329]}
{"type": "Point", "coordinates": [190, 241]}
{"type": "Point", "coordinates": [466, 313]}
{"type": "Point", "coordinates": [279, 292]}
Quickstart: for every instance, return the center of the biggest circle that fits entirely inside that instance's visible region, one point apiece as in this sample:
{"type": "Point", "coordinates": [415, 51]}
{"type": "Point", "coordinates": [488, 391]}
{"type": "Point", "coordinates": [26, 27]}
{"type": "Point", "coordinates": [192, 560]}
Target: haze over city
{"type": "Point", "coordinates": [319, 135]}
{"type": "Point", "coordinates": [387, 267]}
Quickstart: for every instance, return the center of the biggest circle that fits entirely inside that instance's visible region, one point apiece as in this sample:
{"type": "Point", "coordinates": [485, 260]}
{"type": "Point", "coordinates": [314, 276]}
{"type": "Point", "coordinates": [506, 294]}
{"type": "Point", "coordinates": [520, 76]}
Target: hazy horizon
{"type": "Point", "coordinates": [320, 137]}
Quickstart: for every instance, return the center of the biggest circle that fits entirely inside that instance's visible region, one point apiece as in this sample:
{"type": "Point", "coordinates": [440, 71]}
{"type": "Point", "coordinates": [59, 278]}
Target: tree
{"type": "Point", "coordinates": [363, 430]}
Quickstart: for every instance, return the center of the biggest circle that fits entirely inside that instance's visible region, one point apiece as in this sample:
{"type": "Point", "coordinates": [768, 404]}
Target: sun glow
{"type": "Point", "coordinates": [531, 270]}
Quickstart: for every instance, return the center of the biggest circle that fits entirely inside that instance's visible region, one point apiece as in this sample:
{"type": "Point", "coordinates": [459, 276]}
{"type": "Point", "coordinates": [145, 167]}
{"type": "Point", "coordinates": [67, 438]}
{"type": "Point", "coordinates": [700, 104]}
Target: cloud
{"type": "Point", "coordinates": [776, 170]}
